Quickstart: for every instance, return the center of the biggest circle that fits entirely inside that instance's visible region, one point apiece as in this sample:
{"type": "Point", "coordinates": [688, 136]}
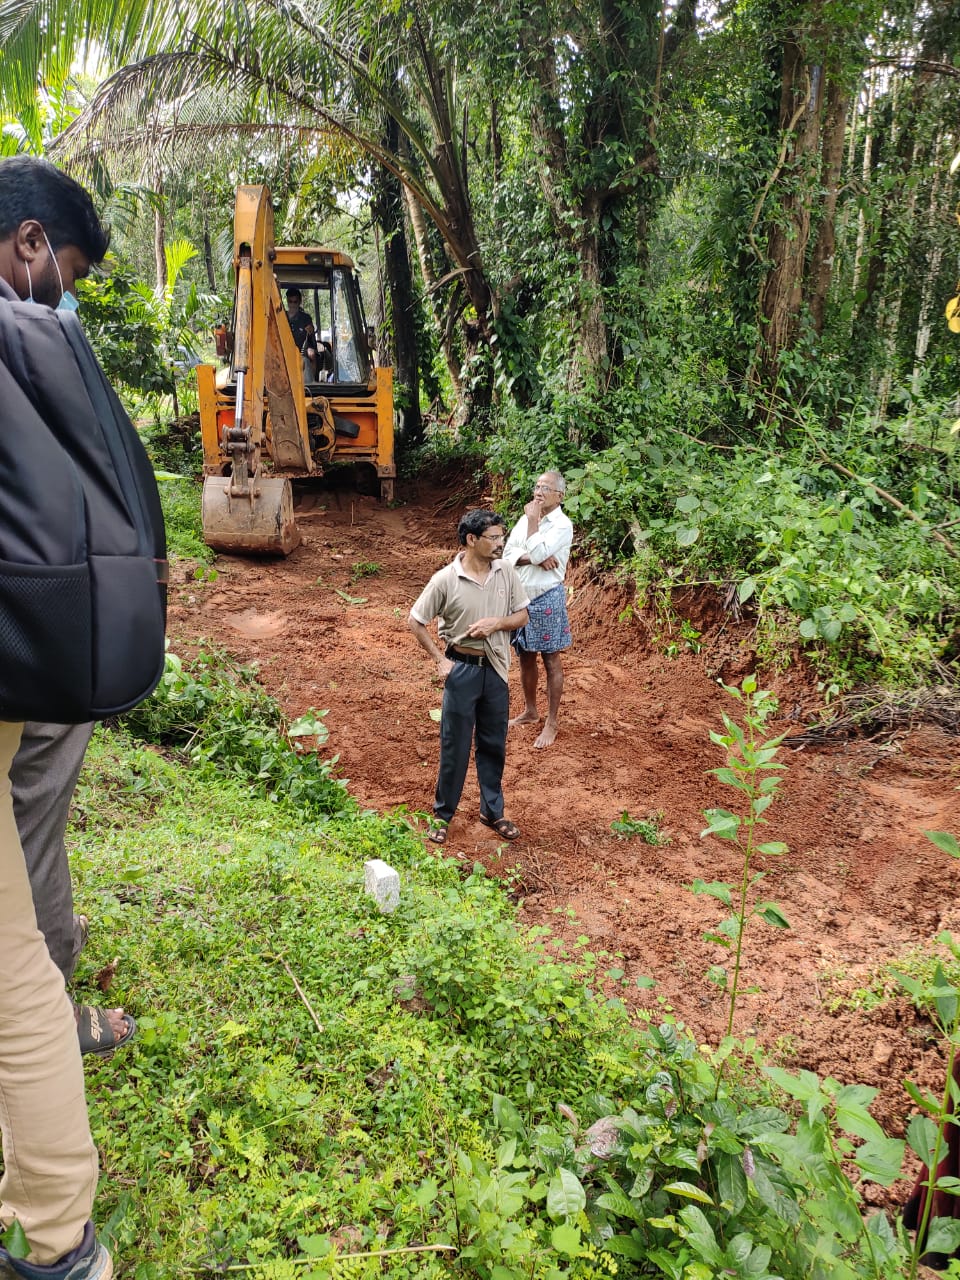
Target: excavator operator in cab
{"type": "Point", "coordinates": [300, 322]}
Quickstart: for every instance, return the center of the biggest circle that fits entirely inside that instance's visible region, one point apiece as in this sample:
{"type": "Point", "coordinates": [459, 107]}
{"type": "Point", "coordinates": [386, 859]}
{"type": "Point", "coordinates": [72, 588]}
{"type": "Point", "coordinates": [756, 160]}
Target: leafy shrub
{"type": "Point", "coordinates": [215, 713]}
{"type": "Point", "coordinates": [126, 339]}
{"type": "Point", "coordinates": [515, 1002]}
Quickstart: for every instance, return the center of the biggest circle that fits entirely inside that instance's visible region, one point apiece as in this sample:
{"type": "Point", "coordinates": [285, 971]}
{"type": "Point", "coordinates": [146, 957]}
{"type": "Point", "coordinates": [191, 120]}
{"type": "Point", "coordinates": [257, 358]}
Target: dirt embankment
{"type": "Point", "coordinates": [860, 884]}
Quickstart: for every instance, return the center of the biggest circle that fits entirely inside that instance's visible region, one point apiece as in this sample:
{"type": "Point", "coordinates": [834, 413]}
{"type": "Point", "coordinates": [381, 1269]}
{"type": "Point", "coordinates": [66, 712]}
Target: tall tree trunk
{"type": "Point", "coordinates": [388, 212]}
{"type": "Point", "coordinates": [821, 262]}
{"type": "Point", "coordinates": [444, 317]}
{"type": "Point", "coordinates": [928, 289]}
{"type": "Point", "coordinates": [865, 171]}
{"type": "Point", "coordinates": [208, 256]}
{"type": "Point", "coordinates": [160, 238]}
{"type": "Point", "coordinates": [781, 291]}
{"type": "Point", "coordinates": [590, 353]}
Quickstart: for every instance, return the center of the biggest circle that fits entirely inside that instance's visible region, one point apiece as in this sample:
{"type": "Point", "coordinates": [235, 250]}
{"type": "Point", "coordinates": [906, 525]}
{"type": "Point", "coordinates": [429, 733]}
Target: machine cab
{"type": "Point", "coordinates": [338, 354]}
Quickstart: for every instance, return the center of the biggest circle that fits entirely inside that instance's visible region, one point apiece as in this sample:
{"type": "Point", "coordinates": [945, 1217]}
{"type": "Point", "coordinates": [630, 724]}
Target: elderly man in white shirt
{"type": "Point", "coordinates": [539, 547]}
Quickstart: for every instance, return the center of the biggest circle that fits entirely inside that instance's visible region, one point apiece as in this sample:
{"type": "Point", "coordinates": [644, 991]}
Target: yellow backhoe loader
{"type": "Point", "coordinates": [276, 412]}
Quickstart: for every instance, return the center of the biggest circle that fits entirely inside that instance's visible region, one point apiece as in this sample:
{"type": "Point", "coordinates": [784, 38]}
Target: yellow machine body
{"type": "Point", "coordinates": [264, 421]}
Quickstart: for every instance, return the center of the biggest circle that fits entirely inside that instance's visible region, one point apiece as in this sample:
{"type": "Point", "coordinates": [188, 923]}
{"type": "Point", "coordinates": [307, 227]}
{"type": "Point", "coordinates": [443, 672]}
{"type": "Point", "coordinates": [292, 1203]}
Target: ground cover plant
{"type": "Point", "coordinates": [318, 1089]}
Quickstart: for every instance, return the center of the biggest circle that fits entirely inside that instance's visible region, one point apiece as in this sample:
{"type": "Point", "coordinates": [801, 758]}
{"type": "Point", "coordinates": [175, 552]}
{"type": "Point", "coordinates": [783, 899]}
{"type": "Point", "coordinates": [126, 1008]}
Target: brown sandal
{"type": "Point", "coordinates": [504, 828]}
{"type": "Point", "coordinates": [437, 833]}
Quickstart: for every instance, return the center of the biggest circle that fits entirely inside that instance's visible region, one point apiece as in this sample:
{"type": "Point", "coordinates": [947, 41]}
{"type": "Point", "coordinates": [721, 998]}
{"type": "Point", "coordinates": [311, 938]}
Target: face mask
{"type": "Point", "coordinates": [67, 301]}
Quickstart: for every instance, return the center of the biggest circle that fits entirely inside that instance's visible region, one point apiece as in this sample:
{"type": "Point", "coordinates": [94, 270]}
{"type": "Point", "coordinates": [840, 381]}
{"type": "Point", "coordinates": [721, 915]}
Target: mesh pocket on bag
{"type": "Point", "coordinates": [45, 643]}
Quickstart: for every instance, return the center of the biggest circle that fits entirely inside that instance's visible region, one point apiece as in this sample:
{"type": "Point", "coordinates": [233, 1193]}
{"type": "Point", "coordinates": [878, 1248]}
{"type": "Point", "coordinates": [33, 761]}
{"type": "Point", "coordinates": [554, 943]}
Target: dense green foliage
{"type": "Point", "coordinates": [798, 533]}
{"type": "Point", "coordinates": [697, 257]}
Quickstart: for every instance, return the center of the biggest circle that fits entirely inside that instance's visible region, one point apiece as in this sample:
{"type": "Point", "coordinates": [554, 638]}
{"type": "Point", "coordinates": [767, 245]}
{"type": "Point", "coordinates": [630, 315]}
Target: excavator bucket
{"type": "Point", "coordinates": [264, 525]}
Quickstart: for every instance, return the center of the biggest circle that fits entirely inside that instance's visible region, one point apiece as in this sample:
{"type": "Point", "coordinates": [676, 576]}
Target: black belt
{"type": "Point", "coordinates": [471, 659]}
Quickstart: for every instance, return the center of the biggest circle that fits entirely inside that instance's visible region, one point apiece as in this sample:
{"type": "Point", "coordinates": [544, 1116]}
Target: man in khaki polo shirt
{"type": "Point", "coordinates": [479, 601]}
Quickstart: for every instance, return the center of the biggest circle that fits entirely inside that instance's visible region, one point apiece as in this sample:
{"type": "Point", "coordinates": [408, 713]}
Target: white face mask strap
{"type": "Point", "coordinates": [55, 263]}
{"type": "Point", "coordinates": [29, 281]}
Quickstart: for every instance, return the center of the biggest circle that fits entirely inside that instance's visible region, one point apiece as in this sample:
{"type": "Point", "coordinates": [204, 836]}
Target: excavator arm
{"type": "Point", "coordinates": [248, 511]}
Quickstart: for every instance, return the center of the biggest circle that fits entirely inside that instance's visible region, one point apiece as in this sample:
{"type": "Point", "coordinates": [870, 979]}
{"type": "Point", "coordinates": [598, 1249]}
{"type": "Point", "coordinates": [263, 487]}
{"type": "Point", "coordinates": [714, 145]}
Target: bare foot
{"type": "Point", "coordinates": [526, 717]}
{"type": "Point", "coordinates": [547, 736]}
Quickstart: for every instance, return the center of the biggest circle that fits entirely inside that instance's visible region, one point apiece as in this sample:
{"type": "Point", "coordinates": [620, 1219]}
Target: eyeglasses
{"type": "Point", "coordinates": [494, 537]}
{"type": "Point", "coordinates": [544, 488]}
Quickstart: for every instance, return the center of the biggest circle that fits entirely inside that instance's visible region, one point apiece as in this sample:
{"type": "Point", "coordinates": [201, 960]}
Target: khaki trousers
{"type": "Point", "coordinates": [50, 1164]}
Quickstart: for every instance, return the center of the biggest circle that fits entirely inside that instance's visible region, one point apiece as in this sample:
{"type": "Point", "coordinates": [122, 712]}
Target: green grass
{"type": "Point", "coordinates": [240, 1119]}
{"type": "Point", "coordinates": [180, 499]}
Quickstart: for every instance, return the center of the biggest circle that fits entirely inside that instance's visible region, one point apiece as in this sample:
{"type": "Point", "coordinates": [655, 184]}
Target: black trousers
{"type": "Point", "coordinates": [476, 706]}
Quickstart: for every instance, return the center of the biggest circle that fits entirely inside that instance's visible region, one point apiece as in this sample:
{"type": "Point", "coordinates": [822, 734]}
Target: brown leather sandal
{"type": "Point", "coordinates": [504, 828]}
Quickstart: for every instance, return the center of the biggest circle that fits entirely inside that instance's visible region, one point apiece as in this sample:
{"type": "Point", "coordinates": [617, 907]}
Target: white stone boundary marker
{"type": "Point", "coordinates": [382, 883]}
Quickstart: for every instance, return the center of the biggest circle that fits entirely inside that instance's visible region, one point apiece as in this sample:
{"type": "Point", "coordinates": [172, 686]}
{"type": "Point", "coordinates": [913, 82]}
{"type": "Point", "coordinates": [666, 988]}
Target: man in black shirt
{"type": "Point", "coordinates": [300, 322]}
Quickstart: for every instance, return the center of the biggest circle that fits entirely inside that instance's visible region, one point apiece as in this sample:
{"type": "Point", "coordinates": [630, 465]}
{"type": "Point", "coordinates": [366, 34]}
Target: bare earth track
{"type": "Point", "coordinates": [860, 884]}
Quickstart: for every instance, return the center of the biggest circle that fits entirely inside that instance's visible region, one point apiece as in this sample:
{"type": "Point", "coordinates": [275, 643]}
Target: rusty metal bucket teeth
{"type": "Point", "coordinates": [265, 526]}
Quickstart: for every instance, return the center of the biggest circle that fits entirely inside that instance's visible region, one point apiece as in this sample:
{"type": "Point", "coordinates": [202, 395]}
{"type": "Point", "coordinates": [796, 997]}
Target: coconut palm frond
{"type": "Point", "coordinates": [42, 40]}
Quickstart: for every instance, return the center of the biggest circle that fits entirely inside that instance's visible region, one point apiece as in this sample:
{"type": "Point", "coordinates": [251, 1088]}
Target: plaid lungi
{"type": "Point", "coordinates": [547, 629]}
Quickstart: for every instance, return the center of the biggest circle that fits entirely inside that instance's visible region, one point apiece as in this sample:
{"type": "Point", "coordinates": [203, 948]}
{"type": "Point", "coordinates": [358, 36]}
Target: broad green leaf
{"type": "Point", "coordinates": [912, 986]}
{"type": "Point", "coordinates": [922, 1137]}
{"type": "Point", "coordinates": [698, 1232]}
{"type": "Point", "coordinates": [15, 1241]}
{"type": "Point", "coordinates": [309, 726]}
{"type": "Point", "coordinates": [506, 1114]}
{"type": "Point", "coordinates": [944, 997]}
{"type": "Point", "coordinates": [566, 1196]}
{"type": "Point", "coordinates": [687, 537]}
{"type": "Point", "coordinates": [426, 1193]}
{"type": "Point", "coordinates": [730, 778]}
{"type": "Point", "coordinates": [943, 1236]}
{"type": "Point", "coordinates": [716, 889]}
{"type": "Point", "coordinates": [880, 1159]}
{"type": "Point", "coordinates": [925, 1101]}
{"type": "Point", "coordinates": [617, 1201]}
{"type": "Point", "coordinates": [688, 502]}
{"type": "Point", "coordinates": [626, 1247]}
{"type": "Point", "coordinates": [731, 1180]}
{"type": "Point", "coordinates": [808, 629]}
{"type": "Point", "coordinates": [771, 913]}
{"type": "Point", "coordinates": [314, 1246]}
{"type": "Point", "coordinates": [746, 589]}
{"type": "Point", "coordinates": [773, 848]}
{"type": "Point", "coordinates": [688, 1191]}
{"type": "Point", "coordinates": [945, 841]}
{"type": "Point", "coordinates": [723, 825]}
{"type": "Point", "coordinates": [803, 1086]}
{"type": "Point", "coordinates": [566, 1239]}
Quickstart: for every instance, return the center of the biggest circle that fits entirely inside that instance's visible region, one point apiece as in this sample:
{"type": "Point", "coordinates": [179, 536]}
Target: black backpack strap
{"type": "Point", "coordinates": [11, 348]}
